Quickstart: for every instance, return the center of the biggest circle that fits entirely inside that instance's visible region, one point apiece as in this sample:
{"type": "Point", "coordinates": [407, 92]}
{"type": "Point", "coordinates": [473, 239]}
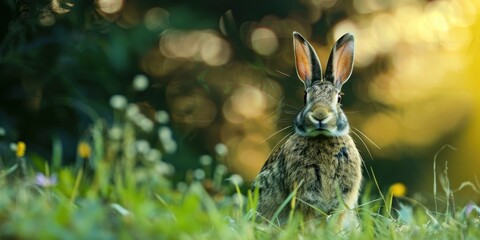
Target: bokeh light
{"type": "Point", "coordinates": [61, 6]}
{"type": "Point", "coordinates": [156, 19]}
{"type": "Point", "coordinates": [205, 46]}
{"type": "Point", "coordinates": [264, 41]}
{"type": "Point", "coordinates": [109, 6]}
{"type": "Point", "coordinates": [249, 102]}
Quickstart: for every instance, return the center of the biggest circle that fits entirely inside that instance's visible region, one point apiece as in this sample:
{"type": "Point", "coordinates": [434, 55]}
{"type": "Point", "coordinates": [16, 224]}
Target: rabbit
{"type": "Point", "coordinates": [320, 160]}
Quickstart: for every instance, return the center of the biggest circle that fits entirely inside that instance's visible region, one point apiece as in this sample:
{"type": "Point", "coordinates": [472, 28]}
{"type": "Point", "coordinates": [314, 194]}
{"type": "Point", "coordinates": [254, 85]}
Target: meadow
{"type": "Point", "coordinates": [119, 188]}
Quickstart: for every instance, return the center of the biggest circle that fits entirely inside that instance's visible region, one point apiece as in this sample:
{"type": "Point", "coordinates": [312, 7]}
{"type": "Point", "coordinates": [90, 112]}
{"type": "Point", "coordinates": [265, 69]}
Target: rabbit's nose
{"type": "Point", "coordinates": [319, 119]}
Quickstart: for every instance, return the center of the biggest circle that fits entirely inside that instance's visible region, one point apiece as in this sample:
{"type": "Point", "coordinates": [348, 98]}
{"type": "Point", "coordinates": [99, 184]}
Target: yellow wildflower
{"type": "Point", "coordinates": [84, 150]}
{"type": "Point", "coordinates": [398, 189]}
{"type": "Point", "coordinates": [21, 148]}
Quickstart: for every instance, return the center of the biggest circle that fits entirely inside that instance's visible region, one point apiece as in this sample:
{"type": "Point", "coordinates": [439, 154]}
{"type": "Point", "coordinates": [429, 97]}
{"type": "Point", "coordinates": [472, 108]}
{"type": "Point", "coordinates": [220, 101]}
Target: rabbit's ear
{"type": "Point", "coordinates": [340, 63]}
{"type": "Point", "coordinates": [306, 61]}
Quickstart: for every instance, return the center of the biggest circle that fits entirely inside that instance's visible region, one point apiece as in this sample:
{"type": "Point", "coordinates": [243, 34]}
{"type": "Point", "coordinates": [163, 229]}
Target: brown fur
{"type": "Point", "coordinates": [319, 167]}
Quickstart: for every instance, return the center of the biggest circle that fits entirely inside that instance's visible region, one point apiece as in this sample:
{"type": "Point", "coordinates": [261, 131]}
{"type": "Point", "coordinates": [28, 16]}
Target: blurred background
{"type": "Point", "coordinates": [224, 73]}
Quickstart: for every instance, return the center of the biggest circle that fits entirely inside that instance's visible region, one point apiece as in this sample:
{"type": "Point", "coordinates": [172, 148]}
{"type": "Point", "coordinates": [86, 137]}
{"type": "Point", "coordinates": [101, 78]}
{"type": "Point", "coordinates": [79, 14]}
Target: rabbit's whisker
{"type": "Point", "coordinates": [281, 140]}
{"type": "Point", "coordinates": [365, 136]}
{"type": "Point", "coordinates": [368, 150]}
{"type": "Point", "coordinates": [292, 106]}
{"type": "Point", "coordinates": [285, 121]}
{"type": "Point", "coordinates": [275, 133]}
{"type": "Point", "coordinates": [272, 115]}
{"type": "Point", "coordinates": [269, 80]}
{"type": "Point", "coordinates": [290, 112]}
{"type": "Point", "coordinates": [284, 74]}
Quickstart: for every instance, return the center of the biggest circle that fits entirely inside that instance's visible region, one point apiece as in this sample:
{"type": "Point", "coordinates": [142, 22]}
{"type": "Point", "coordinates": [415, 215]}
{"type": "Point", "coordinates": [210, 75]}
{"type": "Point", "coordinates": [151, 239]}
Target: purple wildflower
{"type": "Point", "coordinates": [44, 181]}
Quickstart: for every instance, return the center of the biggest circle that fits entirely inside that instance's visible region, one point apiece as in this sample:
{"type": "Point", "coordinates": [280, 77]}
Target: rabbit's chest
{"type": "Point", "coordinates": [322, 171]}
{"type": "Point", "coordinates": [326, 168]}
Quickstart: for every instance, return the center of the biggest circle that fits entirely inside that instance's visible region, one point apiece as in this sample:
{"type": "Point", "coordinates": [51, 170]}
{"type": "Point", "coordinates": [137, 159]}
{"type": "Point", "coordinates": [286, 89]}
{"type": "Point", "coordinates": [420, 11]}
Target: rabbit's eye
{"type": "Point", "coordinates": [339, 98]}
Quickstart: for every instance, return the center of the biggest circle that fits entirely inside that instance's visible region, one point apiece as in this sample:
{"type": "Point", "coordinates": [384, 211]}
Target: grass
{"type": "Point", "coordinates": [120, 189]}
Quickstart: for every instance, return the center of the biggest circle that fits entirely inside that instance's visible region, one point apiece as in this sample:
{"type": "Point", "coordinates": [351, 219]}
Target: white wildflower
{"type": "Point", "coordinates": [164, 169]}
{"type": "Point", "coordinates": [199, 174]}
{"type": "Point", "coordinates": [162, 116]}
{"type": "Point", "coordinates": [13, 147]}
{"type": "Point", "coordinates": [118, 102]}
{"type": "Point", "coordinates": [221, 149]}
{"type": "Point", "coordinates": [142, 146]}
{"type": "Point", "coordinates": [115, 133]}
{"type": "Point", "coordinates": [221, 169]}
{"type": "Point", "coordinates": [132, 111]}
{"type": "Point", "coordinates": [145, 124]}
{"type": "Point", "coordinates": [153, 155]}
{"type": "Point", "coordinates": [164, 134]}
{"type": "Point", "coordinates": [170, 146]}
{"type": "Point", "coordinates": [236, 179]}
{"type": "Point", "coordinates": [206, 160]}
{"type": "Point", "coordinates": [140, 82]}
